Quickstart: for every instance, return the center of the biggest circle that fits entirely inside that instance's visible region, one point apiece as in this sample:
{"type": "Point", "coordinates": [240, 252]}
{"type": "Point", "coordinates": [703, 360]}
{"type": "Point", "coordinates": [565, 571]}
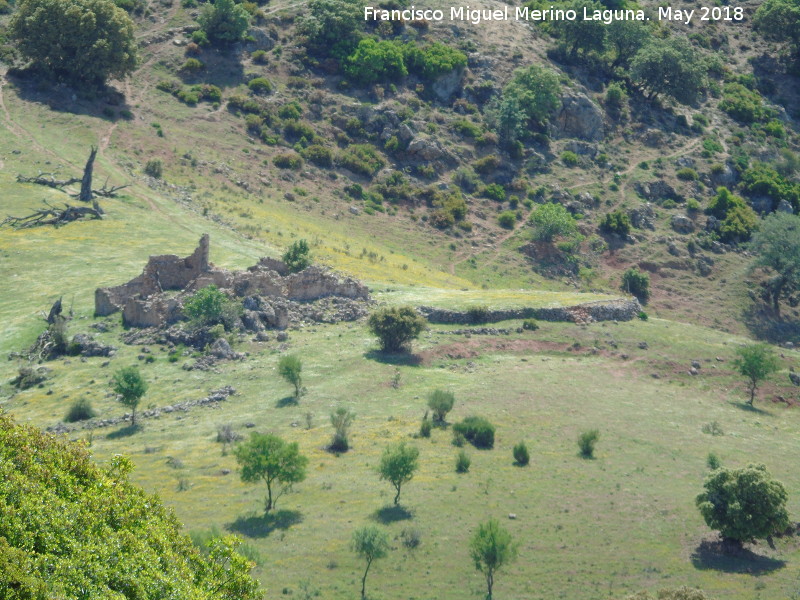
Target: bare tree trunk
{"type": "Point", "coordinates": [86, 182]}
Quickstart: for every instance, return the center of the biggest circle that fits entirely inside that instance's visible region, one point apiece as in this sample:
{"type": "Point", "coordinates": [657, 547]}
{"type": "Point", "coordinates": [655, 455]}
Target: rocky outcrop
{"type": "Point", "coordinates": [682, 224]}
{"type": "Point", "coordinates": [657, 191]}
{"type": "Point", "coordinates": [428, 149]}
{"type": "Point", "coordinates": [643, 217]}
{"type": "Point", "coordinates": [615, 310]}
{"type": "Point", "coordinates": [85, 345]}
{"type": "Point", "coordinates": [267, 286]}
{"type": "Point", "coordinates": [446, 86]}
{"type": "Point", "coordinates": [579, 117]}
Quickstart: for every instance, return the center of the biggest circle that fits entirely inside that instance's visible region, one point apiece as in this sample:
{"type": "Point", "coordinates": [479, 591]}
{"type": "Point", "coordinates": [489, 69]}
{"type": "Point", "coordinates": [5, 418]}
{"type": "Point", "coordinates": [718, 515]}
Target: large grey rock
{"type": "Point", "coordinates": [643, 217]}
{"type": "Point", "coordinates": [727, 176]}
{"type": "Point", "coordinates": [429, 149]}
{"type": "Point", "coordinates": [785, 207]}
{"type": "Point", "coordinates": [657, 191]}
{"type": "Point", "coordinates": [222, 349]}
{"type": "Point", "coordinates": [579, 117]}
{"type": "Point", "coordinates": [682, 224]}
{"type": "Point", "coordinates": [448, 85]}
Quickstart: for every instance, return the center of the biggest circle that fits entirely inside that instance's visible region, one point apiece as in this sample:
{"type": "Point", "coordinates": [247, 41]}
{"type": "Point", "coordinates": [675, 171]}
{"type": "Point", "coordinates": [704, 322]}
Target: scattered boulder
{"type": "Point", "coordinates": [794, 378]}
{"type": "Point", "coordinates": [222, 349]}
{"type": "Point", "coordinates": [579, 117]}
{"type": "Point", "coordinates": [682, 224]}
{"type": "Point", "coordinates": [85, 345]}
{"type": "Point", "coordinates": [643, 217]}
{"type": "Point", "coordinates": [657, 191]}
{"type": "Point", "coordinates": [446, 86]}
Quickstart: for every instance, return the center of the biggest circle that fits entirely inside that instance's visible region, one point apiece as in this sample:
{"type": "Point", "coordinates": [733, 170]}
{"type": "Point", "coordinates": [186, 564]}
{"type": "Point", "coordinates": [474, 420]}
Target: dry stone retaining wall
{"type": "Point", "coordinates": [615, 310]}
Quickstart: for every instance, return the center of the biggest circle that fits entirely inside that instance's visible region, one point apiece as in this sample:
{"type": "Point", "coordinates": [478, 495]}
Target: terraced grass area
{"type": "Point", "coordinates": [588, 529]}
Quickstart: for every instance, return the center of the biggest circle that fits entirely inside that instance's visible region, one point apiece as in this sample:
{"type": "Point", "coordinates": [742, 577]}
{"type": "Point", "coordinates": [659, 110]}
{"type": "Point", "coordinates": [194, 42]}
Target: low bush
{"type": "Point", "coordinates": [507, 219]}
{"type": "Point", "coordinates": [154, 168]}
{"type": "Point", "coordinates": [477, 431]}
{"type": "Point", "coordinates": [636, 284]}
{"type": "Point", "coordinates": [318, 155]}
{"type": "Point", "coordinates": [687, 174]}
{"type": "Point", "coordinates": [569, 158]}
{"type": "Point", "coordinates": [463, 462]}
{"type": "Point", "coordinates": [616, 222]}
{"type": "Point", "coordinates": [80, 410]}
{"type": "Point", "coordinates": [530, 325]}
{"type": "Point", "coordinates": [362, 159]}
{"type": "Point", "coordinates": [587, 441]}
{"type": "Point", "coordinates": [521, 455]}
{"type": "Point", "coordinates": [260, 86]}
{"type": "Point", "coordinates": [192, 65]}
{"type": "Point", "coordinates": [288, 160]}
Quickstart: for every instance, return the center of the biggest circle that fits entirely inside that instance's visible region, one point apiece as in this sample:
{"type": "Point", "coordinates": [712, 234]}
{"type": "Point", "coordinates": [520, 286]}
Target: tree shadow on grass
{"type": "Point", "coordinates": [287, 401]}
{"type": "Point", "coordinates": [260, 526]}
{"type": "Point", "coordinates": [710, 555]}
{"type": "Point", "coordinates": [392, 514]}
{"type": "Point", "coordinates": [405, 359]}
{"type": "Point", "coordinates": [750, 408]}
{"type": "Point", "coordinates": [765, 325]}
{"type": "Point", "coordinates": [124, 432]}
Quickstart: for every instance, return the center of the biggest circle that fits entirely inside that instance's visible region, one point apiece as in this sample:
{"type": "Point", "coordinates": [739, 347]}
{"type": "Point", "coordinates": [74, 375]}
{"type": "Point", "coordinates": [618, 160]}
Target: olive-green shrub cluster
{"type": "Point", "coordinates": [72, 529]}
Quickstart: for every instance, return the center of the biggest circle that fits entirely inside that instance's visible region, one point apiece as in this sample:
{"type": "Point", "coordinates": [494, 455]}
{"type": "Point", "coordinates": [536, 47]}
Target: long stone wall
{"type": "Point", "coordinates": [614, 310]}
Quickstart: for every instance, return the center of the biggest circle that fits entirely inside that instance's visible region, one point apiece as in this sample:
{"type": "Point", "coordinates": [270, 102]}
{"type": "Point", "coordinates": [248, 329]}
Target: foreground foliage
{"type": "Point", "coordinates": [71, 529]}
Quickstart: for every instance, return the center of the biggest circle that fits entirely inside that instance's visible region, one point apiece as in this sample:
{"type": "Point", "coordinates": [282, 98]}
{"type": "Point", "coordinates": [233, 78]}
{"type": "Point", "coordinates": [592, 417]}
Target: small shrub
{"type": "Point", "coordinates": [289, 160]}
{"type": "Point", "coordinates": [297, 256]}
{"type": "Point", "coordinates": [587, 441]}
{"type": "Point", "coordinates": [692, 205]}
{"type": "Point", "coordinates": [713, 462]}
{"type": "Point", "coordinates": [478, 431]}
{"type": "Point", "coordinates": [687, 174]}
{"type": "Point", "coordinates": [318, 155]}
{"type": "Point", "coordinates": [341, 419]}
{"type": "Point", "coordinates": [616, 222]}
{"type": "Point", "coordinates": [494, 191]}
{"type": "Point", "coordinates": [712, 428]}
{"type": "Point", "coordinates": [530, 325]}
{"type": "Point", "coordinates": [507, 219]}
{"type": "Point", "coordinates": [362, 159]}
{"type": "Point", "coordinates": [411, 538]}
{"type": "Point", "coordinates": [192, 65]}
{"type": "Point", "coordinates": [458, 439]}
{"type": "Point", "coordinates": [463, 462]}
{"type": "Point", "coordinates": [260, 85]}
{"type": "Point", "coordinates": [154, 168]}
{"type": "Point", "coordinates": [569, 158]}
{"type": "Point", "coordinates": [441, 403]}
{"type": "Point", "coordinates": [487, 164]}
{"type": "Point", "coordinates": [396, 327]}
{"type": "Point", "coordinates": [80, 410]}
{"type": "Point", "coordinates": [425, 427]}
{"type": "Point", "coordinates": [521, 455]}
{"type": "Point", "coordinates": [637, 284]}
{"type": "Point", "coordinates": [259, 57]}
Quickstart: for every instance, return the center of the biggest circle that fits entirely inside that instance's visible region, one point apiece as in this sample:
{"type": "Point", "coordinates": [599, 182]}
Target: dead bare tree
{"type": "Point", "coordinates": [54, 216]}
{"type": "Point", "coordinates": [86, 193]}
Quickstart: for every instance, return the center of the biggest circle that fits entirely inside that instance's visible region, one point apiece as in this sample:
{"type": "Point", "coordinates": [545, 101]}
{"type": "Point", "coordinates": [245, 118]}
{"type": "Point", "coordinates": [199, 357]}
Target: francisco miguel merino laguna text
{"type": "Point", "coordinates": [475, 15]}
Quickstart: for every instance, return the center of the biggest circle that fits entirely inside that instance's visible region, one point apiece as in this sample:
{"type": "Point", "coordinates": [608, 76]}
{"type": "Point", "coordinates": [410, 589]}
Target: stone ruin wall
{"type": "Point", "coordinates": [143, 303]}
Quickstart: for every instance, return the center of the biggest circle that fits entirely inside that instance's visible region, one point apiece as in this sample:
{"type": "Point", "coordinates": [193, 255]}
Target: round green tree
{"type": "Point", "coordinates": [743, 504]}
{"type": "Point", "coordinates": [224, 22]}
{"type": "Point", "coordinates": [756, 362]}
{"type": "Point", "coordinates": [297, 256]}
{"type": "Point", "coordinates": [398, 464]}
{"type": "Point", "coordinates": [491, 548]}
{"type": "Point", "coordinates": [370, 543]}
{"type": "Point", "coordinates": [78, 41]}
{"type": "Point", "coordinates": [131, 386]}
{"type": "Point", "coordinates": [268, 458]}
{"type": "Point", "coordinates": [291, 368]}
{"type": "Point", "coordinates": [396, 327]}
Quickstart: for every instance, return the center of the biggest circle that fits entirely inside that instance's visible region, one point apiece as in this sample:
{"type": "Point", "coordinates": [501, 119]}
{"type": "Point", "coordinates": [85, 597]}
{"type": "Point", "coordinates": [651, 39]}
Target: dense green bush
{"type": "Point", "coordinates": [297, 256]}
{"type": "Point", "coordinates": [396, 327]}
{"type": "Point", "coordinates": [530, 325]}
{"type": "Point", "coordinates": [80, 410]}
{"type": "Point", "coordinates": [487, 164]}
{"type": "Point", "coordinates": [616, 222]}
{"type": "Point", "coordinates": [288, 160]}
{"type": "Point", "coordinates": [58, 40]}
{"type": "Point", "coordinates": [154, 168]}
{"type": "Point", "coordinates": [331, 28]}
{"type": "Point", "coordinates": [521, 455]}
{"type": "Point", "coordinates": [211, 306]}
{"type": "Point", "coordinates": [587, 441]}
{"type": "Point", "coordinates": [318, 155]}
{"type": "Point", "coordinates": [441, 402]}
{"type": "Point", "coordinates": [686, 174]}
{"type": "Point", "coordinates": [636, 283]}
{"type": "Point", "coordinates": [433, 60]}
{"type": "Point", "coordinates": [260, 85]}
{"type": "Point", "coordinates": [763, 180]}
{"type": "Point", "coordinates": [97, 523]}
{"type": "Point", "coordinates": [374, 61]}
{"type": "Point", "coordinates": [569, 158]}
{"type": "Point", "coordinates": [743, 104]}
{"type": "Point", "coordinates": [671, 67]}
{"type": "Point", "coordinates": [494, 191]}
{"type": "Point", "coordinates": [362, 159]}
{"type": "Point", "coordinates": [259, 57]}
{"type": "Point", "coordinates": [476, 430]}
{"type": "Point", "coordinates": [463, 462]}
{"type": "Point", "coordinates": [552, 220]}
{"type": "Point", "coordinates": [507, 219]}
{"type": "Point", "coordinates": [738, 221]}
{"type": "Point", "coordinates": [224, 21]}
